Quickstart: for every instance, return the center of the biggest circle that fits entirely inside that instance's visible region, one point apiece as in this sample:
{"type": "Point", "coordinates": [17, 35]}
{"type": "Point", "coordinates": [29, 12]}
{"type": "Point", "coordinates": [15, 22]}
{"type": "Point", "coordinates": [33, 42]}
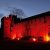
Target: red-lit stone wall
{"type": "Point", "coordinates": [7, 23]}
{"type": "Point", "coordinates": [35, 27]}
{"type": "Point", "coordinates": [39, 27]}
{"type": "Point", "coordinates": [18, 30]}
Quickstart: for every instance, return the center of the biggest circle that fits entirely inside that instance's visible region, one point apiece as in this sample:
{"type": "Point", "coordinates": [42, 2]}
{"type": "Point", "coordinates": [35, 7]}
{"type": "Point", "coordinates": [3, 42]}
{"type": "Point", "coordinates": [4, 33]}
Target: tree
{"type": "Point", "coordinates": [19, 12]}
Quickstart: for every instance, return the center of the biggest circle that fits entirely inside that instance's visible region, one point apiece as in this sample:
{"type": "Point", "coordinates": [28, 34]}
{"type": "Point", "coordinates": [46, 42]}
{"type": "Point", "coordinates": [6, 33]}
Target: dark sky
{"type": "Point", "coordinates": [30, 7]}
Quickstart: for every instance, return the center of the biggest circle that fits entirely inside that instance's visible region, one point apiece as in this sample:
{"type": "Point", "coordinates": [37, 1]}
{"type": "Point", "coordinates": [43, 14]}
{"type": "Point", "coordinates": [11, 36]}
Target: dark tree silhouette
{"type": "Point", "coordinates": [19, 12]}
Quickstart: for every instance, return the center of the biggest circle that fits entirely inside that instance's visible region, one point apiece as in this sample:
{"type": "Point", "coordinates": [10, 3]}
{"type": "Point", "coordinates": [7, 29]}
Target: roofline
{"type": "Point", "coordinates": [39, 15]}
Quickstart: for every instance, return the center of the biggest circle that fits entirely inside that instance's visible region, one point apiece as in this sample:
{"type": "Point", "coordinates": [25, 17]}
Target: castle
{"type": "Point", "coordinates": [35, 26]}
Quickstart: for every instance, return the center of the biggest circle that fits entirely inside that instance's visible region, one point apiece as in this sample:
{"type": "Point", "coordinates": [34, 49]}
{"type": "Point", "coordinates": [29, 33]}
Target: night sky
{"type": "Point", "coordinates": [30, 7]}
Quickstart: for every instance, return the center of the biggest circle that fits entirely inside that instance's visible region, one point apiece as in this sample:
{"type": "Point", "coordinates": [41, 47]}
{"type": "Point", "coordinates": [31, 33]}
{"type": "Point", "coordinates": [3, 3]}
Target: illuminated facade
{"type": "Point", "coordinates": [35, 26]}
